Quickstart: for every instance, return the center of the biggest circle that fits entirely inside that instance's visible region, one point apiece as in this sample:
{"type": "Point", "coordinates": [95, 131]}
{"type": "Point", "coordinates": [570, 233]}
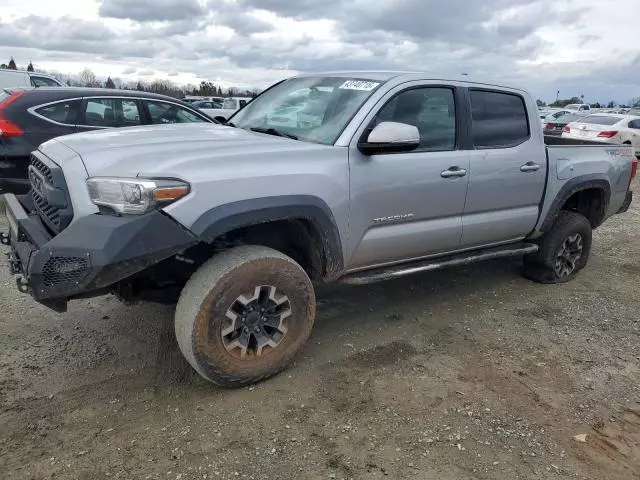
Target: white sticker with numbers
{"type": "Point", "coordinates": [363, 85]}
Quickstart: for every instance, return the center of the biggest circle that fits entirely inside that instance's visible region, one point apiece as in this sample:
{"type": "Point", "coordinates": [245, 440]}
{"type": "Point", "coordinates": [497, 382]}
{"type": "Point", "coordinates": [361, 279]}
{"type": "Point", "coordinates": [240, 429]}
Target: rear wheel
{"type": "Point", "coordinates": [244, 314]}
{"type": "Point", "coordinates": [564, 250]}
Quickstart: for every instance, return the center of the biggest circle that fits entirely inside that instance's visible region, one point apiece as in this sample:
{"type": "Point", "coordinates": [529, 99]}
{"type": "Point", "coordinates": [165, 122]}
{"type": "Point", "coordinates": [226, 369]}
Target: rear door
{"type": "Point", "coordinates": [507, 169]}
{"type": "Point", "coordinates": [409, 205]}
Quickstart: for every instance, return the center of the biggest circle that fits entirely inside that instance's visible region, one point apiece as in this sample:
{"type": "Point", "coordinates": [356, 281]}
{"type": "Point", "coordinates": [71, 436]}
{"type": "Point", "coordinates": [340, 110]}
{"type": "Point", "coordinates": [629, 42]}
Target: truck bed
{"type": "Point", "coordinates": [569, 159]}
{"type": "Point", "coordinates": [555, 140]}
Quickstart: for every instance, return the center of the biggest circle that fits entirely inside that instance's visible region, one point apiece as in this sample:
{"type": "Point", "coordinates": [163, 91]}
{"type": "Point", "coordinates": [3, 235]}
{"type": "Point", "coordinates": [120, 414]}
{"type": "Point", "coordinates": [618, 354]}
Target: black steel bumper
{"type": "Point", "coordinates": [627, 202]}
{"type": "Point", "coordinates": [89, 255]}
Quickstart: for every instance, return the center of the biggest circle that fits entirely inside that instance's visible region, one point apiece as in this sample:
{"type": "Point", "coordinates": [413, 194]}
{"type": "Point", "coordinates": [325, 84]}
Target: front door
{"type": "Point", "coordinates": [409, 205]}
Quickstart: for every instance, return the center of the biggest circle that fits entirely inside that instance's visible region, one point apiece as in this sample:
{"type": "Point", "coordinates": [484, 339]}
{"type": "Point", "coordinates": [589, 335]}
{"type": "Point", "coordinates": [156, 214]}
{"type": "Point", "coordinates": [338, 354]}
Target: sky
{"type": "Point", "coordinates": [580, 47]}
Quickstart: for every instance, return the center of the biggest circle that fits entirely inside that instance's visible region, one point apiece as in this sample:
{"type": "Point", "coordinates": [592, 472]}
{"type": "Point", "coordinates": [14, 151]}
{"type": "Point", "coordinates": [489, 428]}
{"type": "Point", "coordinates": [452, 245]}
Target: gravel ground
{"type": "Point", "coordinates": [470, 373]}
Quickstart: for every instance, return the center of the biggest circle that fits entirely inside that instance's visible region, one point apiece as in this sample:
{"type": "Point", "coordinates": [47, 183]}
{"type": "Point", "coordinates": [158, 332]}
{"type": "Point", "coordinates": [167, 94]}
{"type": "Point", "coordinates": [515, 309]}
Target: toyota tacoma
{"type": "Point", "coordinates": [370, 176]}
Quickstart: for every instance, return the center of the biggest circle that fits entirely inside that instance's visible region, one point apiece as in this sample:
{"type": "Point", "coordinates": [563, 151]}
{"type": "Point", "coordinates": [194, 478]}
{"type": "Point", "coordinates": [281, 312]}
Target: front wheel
{"type": "Point", "coordinates": [564, 250]}
{"type": "Point", "coordinates": [244, 314]}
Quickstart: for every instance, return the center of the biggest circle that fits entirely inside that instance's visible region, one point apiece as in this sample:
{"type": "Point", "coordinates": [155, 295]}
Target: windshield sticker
{"type": "Point", "coordinates": [362, 85]}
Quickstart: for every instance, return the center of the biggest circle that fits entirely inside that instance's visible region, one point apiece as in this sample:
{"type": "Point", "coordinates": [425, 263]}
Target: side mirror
{"type": "Point", "coordinates": [220, 118]}
{"type": "Point", "coordinates": [391, 137]}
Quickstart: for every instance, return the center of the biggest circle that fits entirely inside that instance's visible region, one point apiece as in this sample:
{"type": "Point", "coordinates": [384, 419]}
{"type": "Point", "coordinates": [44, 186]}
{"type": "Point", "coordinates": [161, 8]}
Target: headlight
{"type": "Point", "coordinates": [134, 196]}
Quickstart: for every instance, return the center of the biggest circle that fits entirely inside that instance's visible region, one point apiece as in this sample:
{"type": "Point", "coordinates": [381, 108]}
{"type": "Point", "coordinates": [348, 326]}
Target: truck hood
{"type": "Point", "coordinates": [177, 150]}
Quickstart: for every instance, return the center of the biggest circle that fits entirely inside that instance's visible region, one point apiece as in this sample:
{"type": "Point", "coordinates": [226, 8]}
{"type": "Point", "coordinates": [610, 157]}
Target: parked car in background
{"type": "Point", "coordinates": [578, 107]}
{"type": "Point", "coordinates": [606, 128]}
{"type": "Point", "coordinates": [552, 115]}
{"type": "Point", "coordinates": [31, 116]}
{"type": "Point", "coordinates": [206, 104]}
{"type": "Point", "coordinates": [22, 78]}
{"type": "Point", "coordinates": [389, 175]}
{"type": "Point", "coordinates": [554, 126]}
{"type": "Point", "coordinates": [195, 98]}
{"type": "Point", "coordinates": [230, 106]}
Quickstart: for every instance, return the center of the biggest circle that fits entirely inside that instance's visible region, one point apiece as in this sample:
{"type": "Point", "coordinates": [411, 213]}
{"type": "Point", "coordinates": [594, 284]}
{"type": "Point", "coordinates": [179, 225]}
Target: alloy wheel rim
{"type": "Point", "coordinates": [568, 255]}
{"type": "Point", "coordinates": [256, 323]}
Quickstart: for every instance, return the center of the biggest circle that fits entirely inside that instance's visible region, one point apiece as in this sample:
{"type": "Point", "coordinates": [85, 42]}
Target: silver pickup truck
{"type": "Point", "coordinates": [353, 177]}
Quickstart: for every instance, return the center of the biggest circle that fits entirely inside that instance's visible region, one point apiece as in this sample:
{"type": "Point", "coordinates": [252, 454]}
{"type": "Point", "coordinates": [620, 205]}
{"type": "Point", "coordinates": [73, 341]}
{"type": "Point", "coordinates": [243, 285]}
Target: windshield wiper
{"type": "Point", "coordinates": [273, 131]}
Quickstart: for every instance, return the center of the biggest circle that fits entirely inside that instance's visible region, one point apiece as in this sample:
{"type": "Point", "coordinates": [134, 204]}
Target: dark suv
{"type": "Point", "coordinates": [29, 117]}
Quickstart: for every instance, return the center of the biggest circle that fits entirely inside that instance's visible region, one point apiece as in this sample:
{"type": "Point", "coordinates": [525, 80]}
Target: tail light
{"type": "Point", "coordinates": [567, 129]}
{"type": "Point", "coordinates": [549, 126]}
{"type": "Point", "coordinates": [607, 134]}
{"type": "Point", "coordinates": [634, 168]}
{"type": "Point", "coordinates": [7, 127]}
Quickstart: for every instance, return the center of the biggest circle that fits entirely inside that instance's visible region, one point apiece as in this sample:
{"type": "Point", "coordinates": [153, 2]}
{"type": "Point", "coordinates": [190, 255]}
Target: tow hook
{"type": "Point", "coordinates": [23, 285]}
{"type": "Point", "coordinates": [5, 239]}
{"type": "Point", "coordinates": [15, 265]}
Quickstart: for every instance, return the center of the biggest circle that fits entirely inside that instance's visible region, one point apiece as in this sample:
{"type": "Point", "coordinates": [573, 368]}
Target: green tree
{"type": "Point", "coordinates": [539, 102]}
{"type": "Point", "coordinates": [3, 66]}
{"type": "Point", "coordinates": [109, 83]}
{"type": "Point", "coordinates": [140, 87]}
{"type": "Point", "coordinates": [30, 67]}
{"type": "Point", "coordinates": [611, 104]}
{"type": "Point", "coordinates": [12, 64]}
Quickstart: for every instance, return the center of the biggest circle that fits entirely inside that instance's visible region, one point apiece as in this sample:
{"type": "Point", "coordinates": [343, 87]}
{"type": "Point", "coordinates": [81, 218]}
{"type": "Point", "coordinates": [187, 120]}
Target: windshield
{"type": "Point", "coordinates": [313, 109]}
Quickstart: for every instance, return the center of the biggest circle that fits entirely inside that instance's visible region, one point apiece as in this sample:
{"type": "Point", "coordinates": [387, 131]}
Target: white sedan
{"type": "Point", "coordinates": [606, 128]}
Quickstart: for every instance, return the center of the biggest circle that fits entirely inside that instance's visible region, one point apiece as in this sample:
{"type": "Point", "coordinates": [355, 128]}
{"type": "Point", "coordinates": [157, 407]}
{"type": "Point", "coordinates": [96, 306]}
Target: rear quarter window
{"type": "Point", "coordinates": [499, 119]}
{"type": "Point", "coordinates": [65, 112]}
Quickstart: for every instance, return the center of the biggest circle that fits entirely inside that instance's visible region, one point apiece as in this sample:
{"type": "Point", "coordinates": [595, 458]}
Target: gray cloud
{"type": "Point", "coordinates": [128, 71]}
{"type": "Point", "coordinates": [151, 10]}
{"type": "Point", "coordinates": [146, 73]}
{"type": "Point", "coordinates": [227, 39]}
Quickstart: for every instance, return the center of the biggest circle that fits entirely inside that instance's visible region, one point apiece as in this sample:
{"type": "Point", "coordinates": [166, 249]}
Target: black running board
{"type": "Point", "coordinates": [387, 273]}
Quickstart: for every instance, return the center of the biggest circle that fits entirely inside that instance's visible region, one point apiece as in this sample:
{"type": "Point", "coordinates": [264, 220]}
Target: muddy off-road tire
{"type": "Point", "coordinates": [244, 314]}
{"type": "Point", "coordinates": [564, 250]}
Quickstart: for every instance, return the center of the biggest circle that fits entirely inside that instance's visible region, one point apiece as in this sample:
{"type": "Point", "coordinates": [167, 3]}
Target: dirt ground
{"type": "Point", "coordinates": [471, 373]}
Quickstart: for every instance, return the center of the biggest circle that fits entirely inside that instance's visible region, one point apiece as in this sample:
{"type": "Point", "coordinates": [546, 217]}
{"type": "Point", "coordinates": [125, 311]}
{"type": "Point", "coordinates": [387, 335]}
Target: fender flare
{"type": "Point", "coordinates": [574, 185]}
{"type": "Point", "coordinates": [225, 218]}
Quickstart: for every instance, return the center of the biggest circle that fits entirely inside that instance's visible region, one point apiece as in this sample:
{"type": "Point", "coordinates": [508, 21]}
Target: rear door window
{"type": "Point", "coordinates": [499, 119]}
{"type": "Point", "coordinates": [634, 124]}
{"type": "Point", "coordinates": [111, 112]}
{"type": "Point", "coordinates": [65, 112]}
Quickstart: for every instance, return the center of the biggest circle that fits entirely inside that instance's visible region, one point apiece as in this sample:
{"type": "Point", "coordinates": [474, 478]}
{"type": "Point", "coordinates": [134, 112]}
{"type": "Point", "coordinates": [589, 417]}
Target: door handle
{"type": "Point", "coordinates": [530, 167]}
{"type": "Point", "coordinates": [453, 172]}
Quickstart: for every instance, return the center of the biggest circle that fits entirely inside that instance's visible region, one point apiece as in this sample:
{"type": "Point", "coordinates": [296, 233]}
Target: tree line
{"type": "Point", "coordinates": [87, 78]}
{"type": "Point", "coordinates": [561, 103]}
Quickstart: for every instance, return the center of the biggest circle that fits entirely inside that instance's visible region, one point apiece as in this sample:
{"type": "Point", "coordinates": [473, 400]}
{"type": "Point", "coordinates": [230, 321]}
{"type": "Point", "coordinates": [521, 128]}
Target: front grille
{"type": "Point", "coordinates": [60, 271]}
{"type": "Point", "coordinates": [42, 168]}
{"type": "Point", "coordinates": [49, 193]}
{"type": "Point", "coordinates": [49, 212]}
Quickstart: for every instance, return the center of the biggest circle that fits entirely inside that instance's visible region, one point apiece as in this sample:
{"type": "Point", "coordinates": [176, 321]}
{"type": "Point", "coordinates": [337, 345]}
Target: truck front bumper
{"type": "Point", "coordinates": [88, 256]}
